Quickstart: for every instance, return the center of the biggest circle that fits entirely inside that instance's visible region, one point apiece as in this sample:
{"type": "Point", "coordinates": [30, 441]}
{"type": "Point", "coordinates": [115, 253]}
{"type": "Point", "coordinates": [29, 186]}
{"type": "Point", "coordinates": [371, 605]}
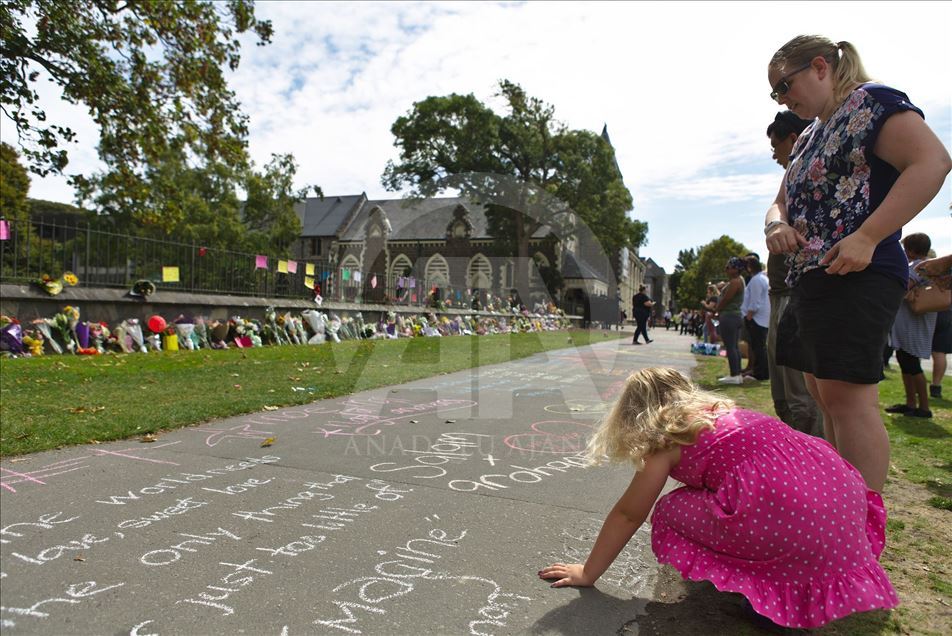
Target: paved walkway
{"type": "Point", "coordinates": [423, 508]}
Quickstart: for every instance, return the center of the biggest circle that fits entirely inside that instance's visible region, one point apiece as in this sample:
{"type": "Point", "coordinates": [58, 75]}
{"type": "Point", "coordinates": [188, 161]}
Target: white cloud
{"type": "Point", "coordinates": [682, 86]}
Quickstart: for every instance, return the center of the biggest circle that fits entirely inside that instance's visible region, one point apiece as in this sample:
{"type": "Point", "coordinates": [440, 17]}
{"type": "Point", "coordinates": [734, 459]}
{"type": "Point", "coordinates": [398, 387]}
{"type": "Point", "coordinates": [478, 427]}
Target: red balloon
{"type": "Point", "coordinates": [157, 324]}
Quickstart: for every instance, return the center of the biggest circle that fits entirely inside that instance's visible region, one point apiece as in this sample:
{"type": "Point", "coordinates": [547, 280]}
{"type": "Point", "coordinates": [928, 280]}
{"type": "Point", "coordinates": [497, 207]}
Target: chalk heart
{"type": "Point", "coordinates": [557, 437]}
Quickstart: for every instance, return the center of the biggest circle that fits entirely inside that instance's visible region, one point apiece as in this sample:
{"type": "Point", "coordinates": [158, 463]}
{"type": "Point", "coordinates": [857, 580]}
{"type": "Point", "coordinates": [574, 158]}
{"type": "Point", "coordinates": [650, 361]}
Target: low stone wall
{"type": "Point", "coordinates": [112, 306]}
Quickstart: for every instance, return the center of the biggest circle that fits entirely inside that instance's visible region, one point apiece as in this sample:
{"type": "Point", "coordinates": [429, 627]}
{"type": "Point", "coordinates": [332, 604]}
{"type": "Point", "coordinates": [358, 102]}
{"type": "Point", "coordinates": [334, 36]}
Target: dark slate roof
{"type": "Point", "coordinates": [423, 219]}
{"type": "Point", "coordinates": [574, 267]}
{"type": "Point", "coordinates": [323, 217]}
{"type": "Point", "coordinates": [652, 268]}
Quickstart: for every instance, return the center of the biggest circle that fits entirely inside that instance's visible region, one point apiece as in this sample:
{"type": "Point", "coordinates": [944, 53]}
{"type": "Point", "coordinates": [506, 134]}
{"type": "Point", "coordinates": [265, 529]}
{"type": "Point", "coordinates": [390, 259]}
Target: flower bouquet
{"type": "Point", "coordinates": [63, 323]}
{"type": "Point", "coordinates": [33, 342]}
{"type": "Point", "coordinates": [217, 333]}
{"type": "Point", "coordinates": [254, 332]}
{"type": "Point", "coordinates": [391, 328]}
{"type": "Point", "coordinates": [317, 322]}
{"type": "Point", "coordinates": [142, 288]}
{"type": "Point", "coordinates": [200, 334]}
{"type": "Point", "coordinates": [135, 341]}
{"type": "Point", "coordinates": [185, 331]}
{"type": "Point", "coordinates": [11, 335]}
{"type": "Point", "coordinates": [54, 286]}
{"type": "Point", "coordinates": [275, 325]}
{"type": "Point", "coordinates": [83, 331]}
{"type": "Point", "coordinates": [99, 334]}
{"type": "Point", "coordinates": [44, 327]}
{"type": "Point", "coordinates": [170, 339]}
{"type": "Point", "coordinates": [333, 328]}
{"type": "Point", "coordinates": [300, 330]}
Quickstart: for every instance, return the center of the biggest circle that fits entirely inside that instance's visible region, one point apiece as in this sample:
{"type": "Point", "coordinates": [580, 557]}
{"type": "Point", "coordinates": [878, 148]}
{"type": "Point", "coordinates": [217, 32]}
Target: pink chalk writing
{"type": "Point", "coordinates": [558, 437]}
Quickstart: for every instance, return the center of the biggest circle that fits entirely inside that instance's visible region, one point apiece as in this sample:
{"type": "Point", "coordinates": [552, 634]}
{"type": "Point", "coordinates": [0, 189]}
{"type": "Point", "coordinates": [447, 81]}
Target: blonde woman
{"type": "Point", "coordinates": [866, 166]}
{"type": "Point", "coordinates": [766, 511]}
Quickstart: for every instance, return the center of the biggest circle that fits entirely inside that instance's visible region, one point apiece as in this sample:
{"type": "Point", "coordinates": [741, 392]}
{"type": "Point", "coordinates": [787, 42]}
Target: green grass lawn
{"type": "Point", "coordinates": [59, 400]}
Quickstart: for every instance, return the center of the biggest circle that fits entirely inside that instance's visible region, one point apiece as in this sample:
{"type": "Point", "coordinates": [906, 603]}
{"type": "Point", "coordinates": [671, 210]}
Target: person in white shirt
{"type": "Point", "coordinates": [756, 312]}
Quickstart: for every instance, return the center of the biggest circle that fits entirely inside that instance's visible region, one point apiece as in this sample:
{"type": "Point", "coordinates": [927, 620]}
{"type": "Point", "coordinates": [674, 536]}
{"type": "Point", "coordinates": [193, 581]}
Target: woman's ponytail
{"type": "Point", "coordinates": [848, 71]}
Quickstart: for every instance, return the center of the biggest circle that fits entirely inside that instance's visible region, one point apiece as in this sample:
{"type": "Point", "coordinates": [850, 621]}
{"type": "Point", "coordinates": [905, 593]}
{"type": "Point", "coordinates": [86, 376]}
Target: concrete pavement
{"type": "Point", "coordinates": [423, 508]}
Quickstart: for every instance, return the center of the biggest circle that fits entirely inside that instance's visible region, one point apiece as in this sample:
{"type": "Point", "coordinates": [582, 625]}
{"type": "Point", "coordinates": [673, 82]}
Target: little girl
{"type": "Point", "coordinates": [766, 511]}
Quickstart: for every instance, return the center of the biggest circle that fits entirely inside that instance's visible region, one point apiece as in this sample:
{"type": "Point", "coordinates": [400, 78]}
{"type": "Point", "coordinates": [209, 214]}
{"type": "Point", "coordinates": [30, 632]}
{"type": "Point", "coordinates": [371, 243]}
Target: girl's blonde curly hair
{"type": "Point", "coordinates": [658, 409]}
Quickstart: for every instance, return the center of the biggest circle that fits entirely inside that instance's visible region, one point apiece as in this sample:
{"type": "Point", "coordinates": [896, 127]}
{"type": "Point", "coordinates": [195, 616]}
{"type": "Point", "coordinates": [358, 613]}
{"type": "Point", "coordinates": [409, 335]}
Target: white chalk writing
{"type": "Point", "coordinates": [44, 522]}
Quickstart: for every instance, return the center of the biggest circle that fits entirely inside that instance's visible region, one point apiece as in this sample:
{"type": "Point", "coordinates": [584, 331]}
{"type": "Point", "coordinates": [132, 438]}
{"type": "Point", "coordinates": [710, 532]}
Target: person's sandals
{"type": "Point", "coordinates": [903, 409]}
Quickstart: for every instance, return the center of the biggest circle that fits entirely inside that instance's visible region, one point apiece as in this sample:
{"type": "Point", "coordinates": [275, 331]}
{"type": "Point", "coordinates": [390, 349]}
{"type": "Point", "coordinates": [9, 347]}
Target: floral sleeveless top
{"type": "Point", "coordinates": [834, 181]}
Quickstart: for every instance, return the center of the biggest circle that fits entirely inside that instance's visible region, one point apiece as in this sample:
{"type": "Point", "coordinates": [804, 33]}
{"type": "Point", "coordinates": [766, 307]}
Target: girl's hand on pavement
{"type": "Point", "coordinates": [566, 575]}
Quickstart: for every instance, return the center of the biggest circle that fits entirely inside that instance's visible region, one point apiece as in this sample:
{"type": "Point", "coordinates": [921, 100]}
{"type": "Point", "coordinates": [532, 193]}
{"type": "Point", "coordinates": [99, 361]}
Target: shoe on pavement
{"type": "Point", "coordinates": [648, 341]}
{"type": "Point", "coordinates": [635, 342]}
{"type": "Point", "coordinates": [730, 379]}
{"type": "Point", "coordinates": [920, 413]}
{"type": "Point", "coordinates": [899, 408]}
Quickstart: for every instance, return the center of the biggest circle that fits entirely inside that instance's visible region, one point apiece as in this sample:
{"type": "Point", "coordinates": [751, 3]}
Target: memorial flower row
{"type": "Point", "coordinates": [67, 333]}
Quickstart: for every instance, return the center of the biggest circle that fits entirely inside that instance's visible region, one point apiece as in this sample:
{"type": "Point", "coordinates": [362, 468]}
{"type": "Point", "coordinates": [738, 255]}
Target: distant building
{"type": "Point", "coordinates": [656, 280]}
{"type": "Point", "coordinates": [386, 249]}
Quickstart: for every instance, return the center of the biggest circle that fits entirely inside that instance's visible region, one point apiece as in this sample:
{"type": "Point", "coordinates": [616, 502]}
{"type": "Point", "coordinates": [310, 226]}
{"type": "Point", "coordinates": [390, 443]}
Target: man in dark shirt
{"type": "Point", "coordinates": [641, 311]}
{"type": "Point", "coordinates": [792, 402]}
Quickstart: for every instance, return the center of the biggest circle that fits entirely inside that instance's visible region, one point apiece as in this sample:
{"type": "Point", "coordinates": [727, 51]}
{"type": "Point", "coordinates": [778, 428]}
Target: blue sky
{"type": "Point", "coordinates": [682, 87]}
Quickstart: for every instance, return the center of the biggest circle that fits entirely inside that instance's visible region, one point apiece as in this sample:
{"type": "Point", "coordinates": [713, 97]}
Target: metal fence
{"type": "Point", "coordinates": [101, 258]}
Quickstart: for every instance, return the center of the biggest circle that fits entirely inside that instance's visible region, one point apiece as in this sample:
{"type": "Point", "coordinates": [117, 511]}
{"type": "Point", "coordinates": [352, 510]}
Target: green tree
{"type": "Point", "coordinates": [14, 185]}
{"type": "Point", "coordinates": [151, 75]}
{"type": "Point", "coordinates": [529, 169]}
{"type": "Point", "coordinates": [268, 212]}
{"type": "Point", "coordinates": [707, 267]}
{"type": "Point", "coordinates": [685, 259]}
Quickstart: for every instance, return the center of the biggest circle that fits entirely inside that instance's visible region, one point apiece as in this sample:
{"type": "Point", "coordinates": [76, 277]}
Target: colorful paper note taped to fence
{"type": "Point", "coordinates": [292, 267]}
{"type": "Point", "coordinates": [261, 261]}
{"type": "Point", "coordinates": [345, 275]}
{"type": "Point", "coordinates": [373, 281]}
{"type": "Point", "coordinates": [282, 267]}
{"type": "Point", "coordinates": [170, 275]}
{"type": "Point", "coordinates": [4, 230]}
{"type": "Point", "coordinates": [309, 282]}
{"type": "Point", "coordinates": [309, 269]}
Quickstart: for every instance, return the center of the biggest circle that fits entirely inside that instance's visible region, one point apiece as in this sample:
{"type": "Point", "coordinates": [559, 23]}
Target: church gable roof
{"type": "Point", "coordinates": [324, 217]}
{"type": "Point", "coordinates": [423, 219]}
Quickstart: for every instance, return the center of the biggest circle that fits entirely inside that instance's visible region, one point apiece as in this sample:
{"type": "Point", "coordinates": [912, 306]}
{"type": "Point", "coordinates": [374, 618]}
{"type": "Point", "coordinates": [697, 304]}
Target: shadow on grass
{"type": "Point", "coordinates": [919, 427]}
{"type": "Point", "coordinates": [939, 488]}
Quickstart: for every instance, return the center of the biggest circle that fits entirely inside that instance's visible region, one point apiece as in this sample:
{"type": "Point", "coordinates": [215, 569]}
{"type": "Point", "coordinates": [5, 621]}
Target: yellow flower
{"type": "Point", "coordinates": [70, 278]}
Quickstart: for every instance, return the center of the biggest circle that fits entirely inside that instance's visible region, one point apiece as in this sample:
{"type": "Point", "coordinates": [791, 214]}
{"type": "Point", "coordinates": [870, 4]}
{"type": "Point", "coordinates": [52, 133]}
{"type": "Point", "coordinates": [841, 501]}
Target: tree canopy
{"type": "Point", "coordinates": [172, 134]}
{"type": "Point", "coordinates": [705, 265]}
{"type": "Point", "coordinates": [14, 185]}
{"type": "Point", "coordinates": [529, 168]}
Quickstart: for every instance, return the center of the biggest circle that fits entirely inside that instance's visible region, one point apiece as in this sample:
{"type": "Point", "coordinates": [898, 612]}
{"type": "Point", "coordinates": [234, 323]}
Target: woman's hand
{"type": "Point", "coordinates": [783, 239]}
{"type": "Point", "coordinates": [566, 574]}
{"type": "Point", "coordinates": [852, 254]}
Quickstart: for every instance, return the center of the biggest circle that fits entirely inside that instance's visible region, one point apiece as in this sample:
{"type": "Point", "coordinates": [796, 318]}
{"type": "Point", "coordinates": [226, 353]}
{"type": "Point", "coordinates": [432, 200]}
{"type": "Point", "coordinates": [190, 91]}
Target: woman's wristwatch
{"type": "Point", "coordinates": [773, 224]}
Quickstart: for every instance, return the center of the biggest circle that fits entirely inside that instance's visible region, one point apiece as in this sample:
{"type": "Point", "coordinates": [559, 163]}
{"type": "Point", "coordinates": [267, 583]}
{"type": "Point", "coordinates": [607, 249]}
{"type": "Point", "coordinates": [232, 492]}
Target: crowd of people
{"type": "Point", "coordinates": [788, 511]}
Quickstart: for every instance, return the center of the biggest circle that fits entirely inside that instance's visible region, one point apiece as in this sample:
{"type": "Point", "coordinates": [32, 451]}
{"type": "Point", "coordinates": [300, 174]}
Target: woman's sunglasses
{"type": "Point", "coordinates": [783, 86]}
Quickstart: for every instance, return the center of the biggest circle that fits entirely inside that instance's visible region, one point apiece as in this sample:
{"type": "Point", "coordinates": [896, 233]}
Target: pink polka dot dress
{"type": "Point", "coordinates": [777, 516]}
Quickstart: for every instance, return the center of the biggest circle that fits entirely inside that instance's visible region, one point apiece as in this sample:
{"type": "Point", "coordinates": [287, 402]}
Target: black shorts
{"type": "Point", "coordinates": [942, 338]}
{"type": "Point", "coordinates": [836, 327]}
